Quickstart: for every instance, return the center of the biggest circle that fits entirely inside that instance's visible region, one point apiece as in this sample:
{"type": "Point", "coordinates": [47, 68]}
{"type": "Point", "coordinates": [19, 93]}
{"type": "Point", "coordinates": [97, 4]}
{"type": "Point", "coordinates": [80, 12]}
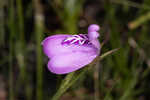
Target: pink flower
{"type": "Point", "coordinates": [69, 53]}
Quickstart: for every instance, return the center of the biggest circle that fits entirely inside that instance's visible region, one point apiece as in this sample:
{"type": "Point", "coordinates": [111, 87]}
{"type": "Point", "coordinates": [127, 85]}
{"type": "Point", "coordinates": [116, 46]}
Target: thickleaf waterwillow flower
{"type": "Point", "coordinates": [68, 53]}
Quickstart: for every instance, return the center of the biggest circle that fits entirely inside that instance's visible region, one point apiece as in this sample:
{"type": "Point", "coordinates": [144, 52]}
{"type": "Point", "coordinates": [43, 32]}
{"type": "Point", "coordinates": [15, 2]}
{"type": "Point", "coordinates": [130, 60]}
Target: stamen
{"type": "Point", "coordinates": [80, 39]}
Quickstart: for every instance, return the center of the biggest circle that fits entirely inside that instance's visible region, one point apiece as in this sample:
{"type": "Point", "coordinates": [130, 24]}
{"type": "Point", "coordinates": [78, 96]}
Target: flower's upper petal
{"type": "Point", "coordinates": [69, 62]}
{"type": "Point", "coordinates": [53, 46]}
{"type": "Point", "coordinates": [93, 27]}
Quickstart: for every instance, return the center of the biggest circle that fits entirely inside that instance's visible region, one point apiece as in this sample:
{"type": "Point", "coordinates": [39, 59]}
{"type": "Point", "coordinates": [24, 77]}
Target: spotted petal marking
{"type": "Point", "coordinates": [80, 39]}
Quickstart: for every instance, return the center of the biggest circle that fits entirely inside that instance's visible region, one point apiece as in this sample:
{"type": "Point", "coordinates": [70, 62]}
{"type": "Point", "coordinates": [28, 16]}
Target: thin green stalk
{"type": "Point", "coordinates": [11, 93]}
{"type": "Point", "coordinates": [139, 21]}
{"type": "Point", "coordinates": [63, 86]}
{"type": "Point", "coordinates": [2, 22]}
{"type": "Point", "coordinates": [21, 42]}
{"type": "Point", "coordinates": [39, 63]}
{"type": "Point", "coordinates": [11, 45]}
{"type": "Point", "coordinates": [39, 25]}
{"type": "Point", "coordinates": [21, 51]}
{"type": "Point", "coordinates": [73, 77]}
{"type": "Point", "coordinates": [96, 81]}
{"type": "Point", "coordinates": [130, 4]}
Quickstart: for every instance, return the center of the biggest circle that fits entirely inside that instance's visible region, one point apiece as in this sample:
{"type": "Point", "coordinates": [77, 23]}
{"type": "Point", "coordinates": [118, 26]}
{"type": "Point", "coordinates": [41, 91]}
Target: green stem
{"type": "Point", "coordinates": [39, 25]}
{"type": "Point", "coordinates": [12, 32]}
{"type": "Point", "coordinates": [73, 77]}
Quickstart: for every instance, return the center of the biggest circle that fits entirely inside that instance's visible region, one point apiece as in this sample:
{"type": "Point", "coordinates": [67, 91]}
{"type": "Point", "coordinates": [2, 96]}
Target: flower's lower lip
{"type": "Point", "coordinates": [69, 62]}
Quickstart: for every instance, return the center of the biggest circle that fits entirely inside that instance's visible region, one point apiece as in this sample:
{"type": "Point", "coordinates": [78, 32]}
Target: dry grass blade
{"type": "Point", "coordinates": [139, 21]}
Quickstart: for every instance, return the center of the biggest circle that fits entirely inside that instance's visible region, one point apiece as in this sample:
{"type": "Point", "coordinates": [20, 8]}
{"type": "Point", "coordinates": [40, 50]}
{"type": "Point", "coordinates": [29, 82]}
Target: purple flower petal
{"type": "Point", "coordinates": [69, 62]}
{"type": "Point", "coordinates": [52, 45]}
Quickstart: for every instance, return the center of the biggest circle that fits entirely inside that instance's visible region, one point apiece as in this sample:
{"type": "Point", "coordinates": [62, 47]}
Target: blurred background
{"type": "Point", "coordinates": [124, 75]}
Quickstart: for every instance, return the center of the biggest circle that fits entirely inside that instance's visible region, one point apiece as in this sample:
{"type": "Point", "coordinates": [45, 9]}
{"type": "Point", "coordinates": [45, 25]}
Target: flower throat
{"type": "Point", "coordinates": [81, 39]}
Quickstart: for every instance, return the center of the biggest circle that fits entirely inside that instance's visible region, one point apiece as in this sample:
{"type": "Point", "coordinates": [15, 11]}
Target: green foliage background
{"type": "Point", "coordinates": [124, 75]}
